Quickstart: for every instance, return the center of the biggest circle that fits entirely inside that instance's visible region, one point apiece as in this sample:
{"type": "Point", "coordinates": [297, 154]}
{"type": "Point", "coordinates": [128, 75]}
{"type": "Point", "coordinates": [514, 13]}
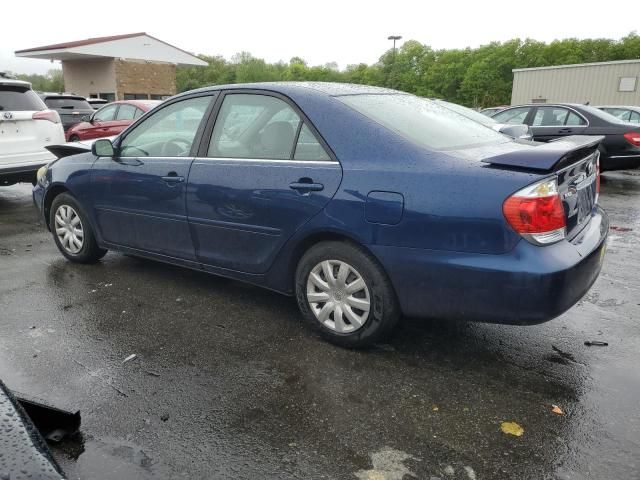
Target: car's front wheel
{"type": "Point", "coordinates": [72, 232]}
{"type": "Point", "coordinates": [74, 138]}
{"type": "Point", "coordinates": [343, 291]}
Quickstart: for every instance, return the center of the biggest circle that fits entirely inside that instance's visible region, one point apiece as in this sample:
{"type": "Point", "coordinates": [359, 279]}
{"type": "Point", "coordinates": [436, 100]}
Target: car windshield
{"type": "Point", "coordinates": [66, 103]}
{"type": "Point", "coordinates": [468, 112]}
{"type": "Point", "coordinates": [423, 121]}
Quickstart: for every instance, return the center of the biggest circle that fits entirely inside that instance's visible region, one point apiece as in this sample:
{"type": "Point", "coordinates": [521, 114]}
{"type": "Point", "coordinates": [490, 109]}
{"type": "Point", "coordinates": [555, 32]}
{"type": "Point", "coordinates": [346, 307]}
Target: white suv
{"type": "Point", "coordinates": [26, 127]}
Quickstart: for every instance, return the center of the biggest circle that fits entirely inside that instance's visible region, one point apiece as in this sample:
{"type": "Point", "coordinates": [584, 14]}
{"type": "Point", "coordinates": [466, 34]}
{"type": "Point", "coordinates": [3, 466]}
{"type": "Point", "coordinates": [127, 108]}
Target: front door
{"type": "Point", "coordinates": [550, 123]}
{"type": "Point", "coordinates": [264, 174]}
{"type": "Point", "coordinates": [140, 192]}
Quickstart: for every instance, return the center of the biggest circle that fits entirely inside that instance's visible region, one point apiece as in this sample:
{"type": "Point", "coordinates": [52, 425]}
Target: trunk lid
{"type": "Point", "coordinates": [574, 161]}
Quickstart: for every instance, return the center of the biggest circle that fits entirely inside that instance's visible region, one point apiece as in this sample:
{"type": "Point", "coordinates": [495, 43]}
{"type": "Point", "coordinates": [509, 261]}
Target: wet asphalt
{"type": "Point", "coordinates": [229, 383]}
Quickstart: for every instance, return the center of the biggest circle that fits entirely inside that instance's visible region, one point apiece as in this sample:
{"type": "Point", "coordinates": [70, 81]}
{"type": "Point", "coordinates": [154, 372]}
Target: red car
{"type": "Point", "coordinates": [110, 120]}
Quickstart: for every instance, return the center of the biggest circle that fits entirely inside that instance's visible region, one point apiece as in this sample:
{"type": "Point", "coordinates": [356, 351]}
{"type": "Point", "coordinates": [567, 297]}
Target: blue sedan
{"type": "Point", "coordinates": [365, 203]}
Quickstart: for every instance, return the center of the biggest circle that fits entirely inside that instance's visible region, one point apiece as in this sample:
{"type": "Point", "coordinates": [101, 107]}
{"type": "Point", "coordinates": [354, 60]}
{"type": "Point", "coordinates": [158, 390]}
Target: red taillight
{"type": "Point", "coordinates": [50, 115]}
{"type": "Point", "coordinates": [633, 138]}
{"type": "Point", "coordinates": [536, 213]}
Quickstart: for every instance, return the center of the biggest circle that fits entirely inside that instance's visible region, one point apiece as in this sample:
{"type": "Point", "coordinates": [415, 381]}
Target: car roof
{"type": "Point", "coordinates": [327, 88]}
{"type": "Point", "coordinates": [14, 82]}
{"type": "Point", "coordinates": [628, 107]}
{"type": "Point", "coordinates": [144, 104]}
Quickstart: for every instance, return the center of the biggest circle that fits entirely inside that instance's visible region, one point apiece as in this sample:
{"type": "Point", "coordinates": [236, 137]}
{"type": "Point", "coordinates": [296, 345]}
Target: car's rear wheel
{"type": "Point", "coordinates": [74, 138]}
{"type": "Point", "coordinates": [72, 232]}
{"type": "Point", "coordinates": [345, 294]}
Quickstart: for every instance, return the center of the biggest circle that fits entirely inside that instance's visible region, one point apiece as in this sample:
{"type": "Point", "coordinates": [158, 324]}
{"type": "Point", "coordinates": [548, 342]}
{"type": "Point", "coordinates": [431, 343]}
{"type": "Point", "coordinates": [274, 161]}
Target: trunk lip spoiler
{"type": "Point", "coordinates": [546, 157]}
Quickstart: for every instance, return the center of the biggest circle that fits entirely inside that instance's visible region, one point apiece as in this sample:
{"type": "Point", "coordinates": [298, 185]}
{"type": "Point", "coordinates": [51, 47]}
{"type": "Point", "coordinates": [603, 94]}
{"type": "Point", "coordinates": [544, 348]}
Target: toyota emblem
{"type": "Point", "coordinates": [7, 115]}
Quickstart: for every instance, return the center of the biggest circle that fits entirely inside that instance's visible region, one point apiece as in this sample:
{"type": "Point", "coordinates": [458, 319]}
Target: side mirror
{"type": "Point", "coordinates": [103, 148]}
{"type": "Point", "coordinates": [86, 118]}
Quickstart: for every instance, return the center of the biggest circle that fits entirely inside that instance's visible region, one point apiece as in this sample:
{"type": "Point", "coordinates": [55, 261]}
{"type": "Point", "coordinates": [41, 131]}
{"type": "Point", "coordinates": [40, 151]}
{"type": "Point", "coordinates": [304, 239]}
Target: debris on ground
{"type": "Point", "coordinates": [164, 417]}
{"type": "Point", "coordinates": [557, 410]}
{"type": "Point", "coordinates": [596, 343]}
{"type": "Point", "coordinates": [152, 373]}
{"type": "Point", "coordinates": [133, 356]}
{"type": "Point", "coordinates": [435, 408]}
{"type": "Point", "coordinates": [511, 428]}
{"type": "Point", "coordinates": [620, 229]}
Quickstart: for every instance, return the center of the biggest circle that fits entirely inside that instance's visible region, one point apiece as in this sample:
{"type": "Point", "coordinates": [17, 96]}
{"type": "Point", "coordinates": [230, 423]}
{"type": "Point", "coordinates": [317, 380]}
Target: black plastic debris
{"type": "Point", "coordinates": [53, 423]}
{"type": "Point", "coordinates": [596, 343]}
{"type": "Point", "coordinates": [23, 452]}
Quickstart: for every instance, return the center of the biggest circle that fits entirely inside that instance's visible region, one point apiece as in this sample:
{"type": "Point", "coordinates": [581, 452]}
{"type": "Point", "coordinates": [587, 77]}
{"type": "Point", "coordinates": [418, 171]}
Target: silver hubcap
{"type": "Point", "coordinates": [69, 229]}
{"type": "Point", "coordinates": [338, 296]}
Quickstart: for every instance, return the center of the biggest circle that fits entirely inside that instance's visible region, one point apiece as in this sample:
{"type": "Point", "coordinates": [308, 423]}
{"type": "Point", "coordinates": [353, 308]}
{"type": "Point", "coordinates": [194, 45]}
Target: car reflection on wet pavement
{"type": "Point", "coordinates": [227, 382]}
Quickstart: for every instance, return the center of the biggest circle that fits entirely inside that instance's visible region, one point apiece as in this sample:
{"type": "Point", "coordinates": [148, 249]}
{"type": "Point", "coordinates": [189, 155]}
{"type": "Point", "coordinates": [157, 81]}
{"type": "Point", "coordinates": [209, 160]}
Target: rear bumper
{"type": "Point", "coordinates": [620, 162]}
{"type": "Point", "coordinates": [528, 285]}
{"type": "Point", "coordinates": [23, 165]}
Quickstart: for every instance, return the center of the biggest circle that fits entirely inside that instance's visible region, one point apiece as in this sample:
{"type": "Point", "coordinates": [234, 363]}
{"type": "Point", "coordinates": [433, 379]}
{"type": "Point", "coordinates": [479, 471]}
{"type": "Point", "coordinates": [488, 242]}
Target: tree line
{"type": "Point", "coordinates": [476, 77]}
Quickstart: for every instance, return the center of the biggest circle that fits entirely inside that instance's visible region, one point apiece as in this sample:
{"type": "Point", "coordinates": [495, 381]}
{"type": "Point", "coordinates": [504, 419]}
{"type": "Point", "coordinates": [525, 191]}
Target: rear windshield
{"type": "Point", "coordinates": [19, 99]}
{"type": "Point", "coordinates": [467, 112]}
{"type": "Point", "coordinates": [423, 121]}
{"type": "Point", "coordinates": [67, 103]}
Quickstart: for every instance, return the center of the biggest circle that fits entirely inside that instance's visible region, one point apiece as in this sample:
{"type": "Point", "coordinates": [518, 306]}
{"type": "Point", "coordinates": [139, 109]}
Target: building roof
{"type": "Point", "coordinates": [136, 46]}
{"type": "Point", "coordinates": [576, 65]}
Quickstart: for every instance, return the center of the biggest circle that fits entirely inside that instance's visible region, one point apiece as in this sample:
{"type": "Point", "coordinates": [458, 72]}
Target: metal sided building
{"type": "Point", "coordinates": [602, 83]}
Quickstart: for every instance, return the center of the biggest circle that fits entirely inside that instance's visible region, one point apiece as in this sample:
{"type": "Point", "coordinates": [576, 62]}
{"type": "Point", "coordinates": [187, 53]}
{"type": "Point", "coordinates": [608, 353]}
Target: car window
{"type": "Point", "coordinates": [126, 112]}
{"type": "Point", "coordinates": [254, 126]}
{"type": "Point", "coordinates": [308, 147]}
{"type": "Point", "coordinates": [105, 114]}
{"type": "Point", "coordinates": [422, 121]}
{"type": "Point", "coordinates": [168, 132]}
{"type": "Point", "coordinates": [635, 117]}
{"type": "Point", "coordinates": [620, 113]}
{"type": "Point", "coordinates": [550, 117]}
{"type": "Point", "coordinates": [138, 113]}
{"type": "Point", "coordinates": [64, 103]}
{"type": "Point", "coordinates": [19, 99]}
{"type": "Point", "coordinates": [513, 115]}
{"type": "Point", "coordinates": [575, 119]}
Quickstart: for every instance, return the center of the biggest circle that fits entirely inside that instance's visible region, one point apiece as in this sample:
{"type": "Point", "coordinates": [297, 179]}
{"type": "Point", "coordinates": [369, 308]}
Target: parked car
{"type": "Point", "coordinates": [110, 120]}
{"type": "Point", "coordinates": [365, 203]}
{"type": "Point", "coordinates": [96, 103]}
{"type": "Point", "coordinates": [489, 112]}
{"type": "Point", "coordinates": [625, 113]}
{"type": "Point", "coordinates": [71, 108]}
{"type": "Point", "coordinates": [521, 131]}
{"type": "Point", "coordinates": [620, 148]}
{"type": "Point", "coordinates": [26, 127]}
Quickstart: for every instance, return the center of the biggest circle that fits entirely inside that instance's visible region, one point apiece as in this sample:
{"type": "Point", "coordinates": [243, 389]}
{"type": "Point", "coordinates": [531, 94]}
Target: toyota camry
{"type": "Point", "coordinates": [364, 203]}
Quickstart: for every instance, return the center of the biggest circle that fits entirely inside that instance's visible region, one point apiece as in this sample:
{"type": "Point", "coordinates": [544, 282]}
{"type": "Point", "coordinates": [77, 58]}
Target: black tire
{"type": "Point", "coordinates": [74, 138]}
{"type": "Point", "coordinates": [90, 252]}
{"type": "Point", "coordinates": [384, 312]}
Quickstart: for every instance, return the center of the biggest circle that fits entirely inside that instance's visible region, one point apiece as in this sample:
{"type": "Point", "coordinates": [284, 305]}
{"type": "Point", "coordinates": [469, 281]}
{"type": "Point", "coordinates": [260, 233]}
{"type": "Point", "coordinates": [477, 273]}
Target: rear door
{"type": "Point", "coordinates": [552, 122]}
{"type": "Point", "coordinates": [19, 132]}
{"type": "Point", "coordinates": [139, 195]}
{"type": "Point", "coordinates": [263, 174]}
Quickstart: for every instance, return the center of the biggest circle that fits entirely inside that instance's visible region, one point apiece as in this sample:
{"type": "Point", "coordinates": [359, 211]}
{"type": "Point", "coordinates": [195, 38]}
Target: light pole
{"type": "Point", "coordinates": [393, 58]}
{"type": "Point", "coordinates": [394, 38]}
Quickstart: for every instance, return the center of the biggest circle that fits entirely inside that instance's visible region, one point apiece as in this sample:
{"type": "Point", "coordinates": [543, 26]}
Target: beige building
{"type": "Point", "coordinates": [603, 83]}
{"type": "Point", "coordinates": [122, 67]}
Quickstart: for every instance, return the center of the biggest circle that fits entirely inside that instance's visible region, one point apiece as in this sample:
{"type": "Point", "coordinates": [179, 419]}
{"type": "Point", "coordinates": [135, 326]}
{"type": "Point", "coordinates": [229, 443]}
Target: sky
{"type": "Point", "coordinates": [346, 31]}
